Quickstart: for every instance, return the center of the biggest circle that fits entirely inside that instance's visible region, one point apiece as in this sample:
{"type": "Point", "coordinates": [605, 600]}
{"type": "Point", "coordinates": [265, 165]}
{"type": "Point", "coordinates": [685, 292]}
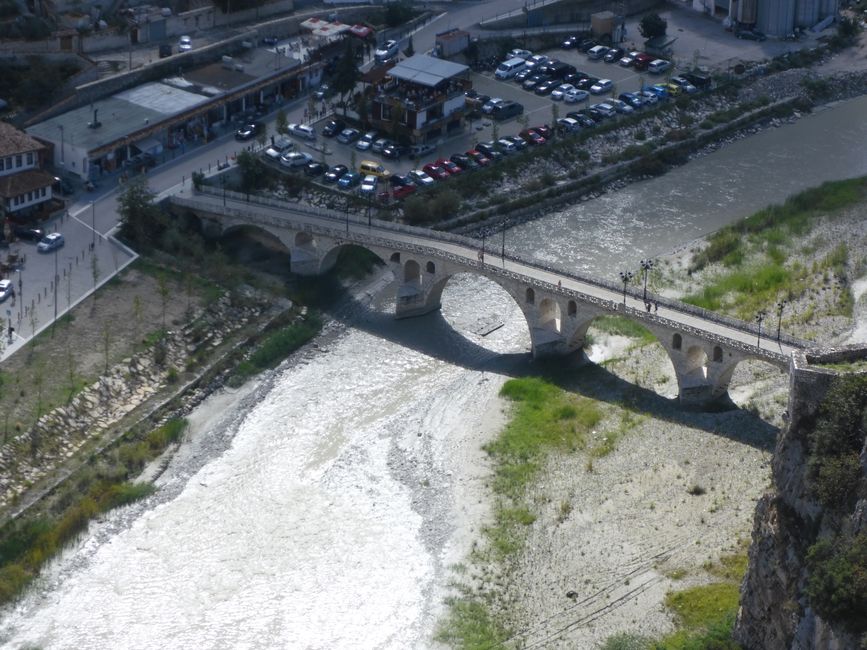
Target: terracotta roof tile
{"type": "Point", "coordinates": [22, 182]}
{"type": "Point", "coordinates": [13, 141]}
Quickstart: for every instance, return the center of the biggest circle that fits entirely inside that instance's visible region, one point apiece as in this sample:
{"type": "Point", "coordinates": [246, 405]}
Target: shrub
{"type": "Point", "coordinates": [837, 584]}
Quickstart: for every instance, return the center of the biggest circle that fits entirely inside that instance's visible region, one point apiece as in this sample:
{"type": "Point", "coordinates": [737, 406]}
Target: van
{"type": "Point", "coordinates": [658, 66]}
{"type": "Point", "coordinates": [421, 150]}
{"type": "Point", "coordinates": [373, 168]}
{"type": "Point", "coordinates": [510, 68]}
{"type": "Point", "coordinates": [597, 52]}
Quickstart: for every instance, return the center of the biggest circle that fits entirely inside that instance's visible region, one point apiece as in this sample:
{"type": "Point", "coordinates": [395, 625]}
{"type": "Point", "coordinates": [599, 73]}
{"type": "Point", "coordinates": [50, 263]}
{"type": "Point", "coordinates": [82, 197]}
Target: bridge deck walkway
{"type": "Point", "coordinates": [357, 230]}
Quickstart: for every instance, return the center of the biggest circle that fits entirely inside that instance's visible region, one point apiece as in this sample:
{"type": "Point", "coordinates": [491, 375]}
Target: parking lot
{"type": "Point", "coordinates": [699, 40]}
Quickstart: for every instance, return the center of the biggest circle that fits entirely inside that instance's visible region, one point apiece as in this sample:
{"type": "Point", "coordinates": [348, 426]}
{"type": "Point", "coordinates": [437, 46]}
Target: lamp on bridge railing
{"type": "Point", "coordinates": [626, 276]}
{"type": "Point", "coordinates": [759, 318]}
{"type": "Point", "coordinates": [646, 265]}
{"type": "Point", "coordinates": [780, 307]}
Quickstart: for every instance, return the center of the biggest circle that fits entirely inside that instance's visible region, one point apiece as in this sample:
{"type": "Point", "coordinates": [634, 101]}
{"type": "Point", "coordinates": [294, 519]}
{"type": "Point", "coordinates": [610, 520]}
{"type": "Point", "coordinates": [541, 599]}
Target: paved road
{"type": "Point", "coordinates": [467, 250]}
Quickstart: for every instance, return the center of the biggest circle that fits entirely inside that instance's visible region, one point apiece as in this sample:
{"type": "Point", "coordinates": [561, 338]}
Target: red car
{"type": "Point", "coordinates": [436, 172]}
{"type": "Point", "coordinates": [479, 157]}
{"type": "Point", "coordinates": [544, 131]}
{"type": "Point", "coordinates": [449, 166]}
{"type": "Point", "coordinates": [403, 191]}
{"type": "Point", "coordinates": [532, 137]}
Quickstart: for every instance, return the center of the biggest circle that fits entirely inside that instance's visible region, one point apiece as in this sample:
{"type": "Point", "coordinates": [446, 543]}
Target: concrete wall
{"type": "Point", "coordinates": [563, 12]}
{"type": "Point", "coordinates": [776, 17]}
{"type": "Point", "coordinates": [248, 15]}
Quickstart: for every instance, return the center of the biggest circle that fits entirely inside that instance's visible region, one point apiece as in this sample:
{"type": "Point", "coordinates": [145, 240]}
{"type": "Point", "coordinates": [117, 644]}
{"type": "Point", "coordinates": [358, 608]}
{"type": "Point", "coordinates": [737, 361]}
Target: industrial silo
{"type": "Point", "coordinates": [776, 17]}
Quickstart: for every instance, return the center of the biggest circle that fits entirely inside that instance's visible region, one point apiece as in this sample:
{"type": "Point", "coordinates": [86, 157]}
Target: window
{"type": "Point", "coordinates": [676, 342]}
{"type": "Point", "coordinates": [30, 158]}
{"type": "Point", "coordinates": [531, 296]}
{"type": "Point", "coordinates": [717, 354]}
{"type": "Point", "coordinates": [430, 268]}
{"type": "Point", "coordinates": [19, 161]}
{"type": "Point", "coordinates": [2, 164]}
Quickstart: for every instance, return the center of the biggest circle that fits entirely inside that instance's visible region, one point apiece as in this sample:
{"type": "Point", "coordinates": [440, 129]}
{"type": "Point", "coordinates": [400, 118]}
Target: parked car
{"type": "Point", "coordinates": [315, 168]}
{"type": "Point", "coordinates": [348, 180]}
{"type": "Point", "coordinates": [575, 95]}
{"type": "Point", "coordinates": [335, 173]}
{"type": "Point", "coordinates": [586, 83]}
{"type": "Point", "coordinates": [51, 242]}
{"type": "Point", "coordinates": [304, 131]}
{"type": "Point", "coordinates": [586, 44]}
{"type": "Point", "coordinates": [546, 87]}
{"type": "Point", "coordinates": [165, 50]}
{"type": "Point", "coordinates": [659, 90]}
{"type": "Point", "coordinates": [421, 150]}
{"type": "Point", "coordinates": [386, 51]}
{"type": "Point", "coordinates": [452, 168]}
{"type": "Point", "coordinates": [322, 92]}
{"type": "Point", "coordinates": [658, 66]}
{"type": "Point", "coordinates": [295, 159]}
{"type": "Point", "coordinates": [697, 79]}
{"type": "Point", "coordinates": [463, 161]}
{"type": "Point", "coordinates": [534, 80]}
{"type": "Point", "coordinates": [7, 288]}
{"type": "Point", "coordinates": [28, 233]}
{"type": "Point", "coordinates": [597, 52]}
{"type": "Point", "coordinates": [348, 136]}
{"type": "Point", "coordinates": [532, 137]}
{"type": "Point", "coordinates": [185, 44]}
{"type": "Point", "coordinates": [393, 151]}
{"type": "Point", "coordinates": [520, 143]}
{"type": "Point", "coordinates": [506, 146]}
{"type": "Point", "coordinates": [628, 59]}
{"type": "Point", "coordinates": [751, 35]}
{"type": "Point", "coordinates": [583, 119]}
{"type": "Point", "coordinates": [507, 110]}
{"type": "Point", "coordinates": [648, 97]}
{"type": "Point", "coordinates": [536, 61]}
{"type": "Point", "coordinates": [542, 129]}
{"type": "Point", "coordinates": [368, 185]}
{"type": "Point", "coordinates": [402, 191]}
{"type": "Point", "coordinates": [521, 77]}
{"type": "Point", "coordinates": [642, 60]}
{"type": "Point", "coordinates": [602, 86]}
{"type": "Point", "coordinates": [613, 55]}
{"type": "Point", "coordinates": [481, 159]}
{"type": "Point", "coordinates": [365, 142]}
{"type": "Point", "coordinates": [620, 106]}
{"type": "Point", "coordinates": [684, 85]}
{"type": "Point", "coordinates": [400, 180]}
{"type": "Point", "coordinates": [559, 93]}
{"type": "Point", "coordinates": [568, 125]}
{"type": "Point", "coordinates": [332, 128]}
{"type": "Point", "coordinates": [570, 42]}
{"type": "Point", "coordinates": [379, 144]}
{"type": "Point", "coordinates": [603, 110]}
{"type": "Point", "coordinates": [435, 171]}
{"type": "Point", "coordinates": [632, 99]}
{"type": "Point", "coordinates": [420, 178]}
{"type": "Point", "coordinates": [489, 106]}
{"type": "Point", "coordinates": [489, 149]}
{"type": "Point", "coordinates": [517, 52]}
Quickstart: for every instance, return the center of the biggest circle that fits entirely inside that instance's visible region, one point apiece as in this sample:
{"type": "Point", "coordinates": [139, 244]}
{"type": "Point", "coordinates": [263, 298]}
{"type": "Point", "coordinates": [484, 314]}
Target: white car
{"type": "Point", "coordinates": [185, 44]}
{"type": "Point", "coordinates": [620, 106]}
{"type": "Point", "coordinates": [302, 131]}
{"type": "Point", "coordinates": [6, 289]}
{"type": "Point", "coordinates": [366, 141]}
{"type": "Point", "coordinates": [420, 178]}
{"type": "Point", "coordinates": [537, 61]}
{"type": "Point", "coordinates": [575, 95]}
{"type": "Point", "coordinates": [489, 106]}
{"type": "Point", "coordinates": [368, 185]}
{"type": "Point", "coordinates": [601, 86]}
{"type": "Point", "coordinates": [281, 145]}
{"type": "Point", "coordinates": [388, 50]}
{"type": "Point", "coordinates": [605, 109]}
{"type": "Point", "coordinates": [295, 159]}
{"type": "Point", "coordinates": [518, 53]}
{"type": "Point", "coordinates": [648, 96]}
{"type": "Point", "coordinates": [568, 124]}
{"type": "Point", "coordinates": [507, 146]}
{"type": "Point", "coordinates": [560, 92]}
{"type": "Point", "coordinates": [51, 242]}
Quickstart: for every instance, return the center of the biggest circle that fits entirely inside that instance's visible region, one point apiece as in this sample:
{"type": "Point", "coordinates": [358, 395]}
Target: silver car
{"type": "Point", "coordinates": [6, 289]}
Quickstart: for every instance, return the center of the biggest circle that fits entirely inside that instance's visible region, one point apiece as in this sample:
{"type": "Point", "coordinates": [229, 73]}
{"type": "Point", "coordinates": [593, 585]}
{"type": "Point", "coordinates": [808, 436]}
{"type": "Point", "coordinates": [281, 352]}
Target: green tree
{"type": "Point", "coordinates": [652, 25]}
{"type": "Point", "coordinates": [253, 172]}
{"type": "Point", "coordinates": [346, 74]}
{"type": "Point", "coordinates": [140, 219]}
{"type": "Point", "coordinates": [281, 123]}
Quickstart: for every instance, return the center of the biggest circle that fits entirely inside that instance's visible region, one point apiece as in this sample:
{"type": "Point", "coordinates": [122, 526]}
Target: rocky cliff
{"type": "Point", "coordinates": [806, 585]}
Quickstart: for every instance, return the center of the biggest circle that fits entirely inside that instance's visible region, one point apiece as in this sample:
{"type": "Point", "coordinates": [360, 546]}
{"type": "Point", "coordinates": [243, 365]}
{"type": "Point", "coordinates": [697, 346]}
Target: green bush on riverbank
{"type": "Point", "coordinates": [756, 258]}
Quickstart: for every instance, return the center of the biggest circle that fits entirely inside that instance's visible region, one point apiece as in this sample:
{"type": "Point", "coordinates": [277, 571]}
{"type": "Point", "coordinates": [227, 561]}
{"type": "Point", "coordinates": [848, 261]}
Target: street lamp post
{"type": "Point", "coordinates": [780, 307]}
{"type": "Point", "coordinates": [646, 265]}
{"type": "Point", "coordinates": [503, 247]}
{"type": "Point", "coordinates": [62, 145]}
{"type": "Point", "coordinates": [93, 222]}
{"type": "Point", "coordinates": [759, 318]}
{"type": "Point", "coordinates": [369, 208]}
{"type": "Point", "coordinates": [56, 282]}
{"type": "Point", "coordinates": [626, 277]}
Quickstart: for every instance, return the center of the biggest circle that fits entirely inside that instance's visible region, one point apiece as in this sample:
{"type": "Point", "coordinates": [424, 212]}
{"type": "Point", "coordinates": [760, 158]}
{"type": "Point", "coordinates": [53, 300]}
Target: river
{"type": "Point", "coordinates": [321, 507]}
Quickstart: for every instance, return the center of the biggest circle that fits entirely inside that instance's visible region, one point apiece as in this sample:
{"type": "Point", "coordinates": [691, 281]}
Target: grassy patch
{"type": "Point", "coordinates": [276, 346]}
{"type": "Point", "coordinates": [26, 544]}
{"type": "Point", "coordinates": [622, 326]}
{"type": "Point", "coordinates": [470, 625]}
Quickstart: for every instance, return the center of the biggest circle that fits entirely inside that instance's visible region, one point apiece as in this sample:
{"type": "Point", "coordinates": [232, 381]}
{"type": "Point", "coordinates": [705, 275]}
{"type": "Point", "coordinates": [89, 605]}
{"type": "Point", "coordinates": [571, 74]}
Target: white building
{"type": "Point", "coordinates": [25, 188]}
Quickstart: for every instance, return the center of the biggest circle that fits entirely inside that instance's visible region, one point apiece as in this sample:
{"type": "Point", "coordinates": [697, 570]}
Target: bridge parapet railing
{"type": "Point", "coordinates": [473, 244]}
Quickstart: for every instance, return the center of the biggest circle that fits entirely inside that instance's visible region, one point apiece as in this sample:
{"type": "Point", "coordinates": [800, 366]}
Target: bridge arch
{"type": "Point", "coordinates": [549, 314]}
{"type": "Point", "coordinates": [412, 272]}
{"type": "Point", "coordinates": [430, 267]}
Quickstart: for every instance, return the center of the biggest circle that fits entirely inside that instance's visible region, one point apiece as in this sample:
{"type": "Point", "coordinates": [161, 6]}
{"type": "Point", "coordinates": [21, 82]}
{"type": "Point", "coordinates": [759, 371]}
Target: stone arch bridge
{"type": "Point", "coordinates": [558, 306]}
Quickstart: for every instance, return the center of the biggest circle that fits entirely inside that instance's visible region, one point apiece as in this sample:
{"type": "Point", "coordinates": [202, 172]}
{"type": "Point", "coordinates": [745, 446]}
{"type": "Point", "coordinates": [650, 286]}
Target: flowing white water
{"type": "Point", "coordinates": [323, 510]}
